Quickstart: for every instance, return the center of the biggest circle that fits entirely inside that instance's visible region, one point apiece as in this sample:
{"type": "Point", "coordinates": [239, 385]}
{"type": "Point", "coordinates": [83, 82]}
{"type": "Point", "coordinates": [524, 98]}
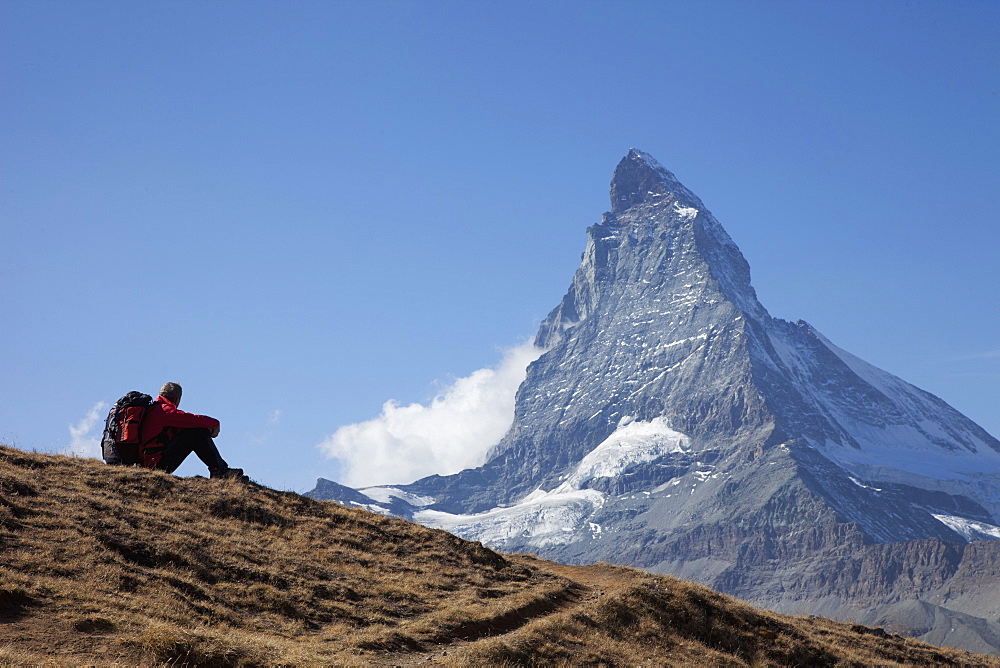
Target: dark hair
{"type": "Point", "coordinates": [171, 391]}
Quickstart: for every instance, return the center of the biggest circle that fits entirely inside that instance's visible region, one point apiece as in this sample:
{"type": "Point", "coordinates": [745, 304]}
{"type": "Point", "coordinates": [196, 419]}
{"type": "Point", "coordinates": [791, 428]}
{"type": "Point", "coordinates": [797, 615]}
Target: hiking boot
{"type": "Point", "coordinates": [232, 474]}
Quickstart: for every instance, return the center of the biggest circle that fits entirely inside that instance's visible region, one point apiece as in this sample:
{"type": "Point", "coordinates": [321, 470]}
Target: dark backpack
{"type": "Point", "coordinates": [120, 444]}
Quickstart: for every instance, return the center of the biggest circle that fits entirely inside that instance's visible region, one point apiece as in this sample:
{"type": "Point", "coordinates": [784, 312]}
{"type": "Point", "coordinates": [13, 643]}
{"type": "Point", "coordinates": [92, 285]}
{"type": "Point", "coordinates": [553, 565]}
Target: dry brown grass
{"type": "Point", "coordinates": [110, 565]}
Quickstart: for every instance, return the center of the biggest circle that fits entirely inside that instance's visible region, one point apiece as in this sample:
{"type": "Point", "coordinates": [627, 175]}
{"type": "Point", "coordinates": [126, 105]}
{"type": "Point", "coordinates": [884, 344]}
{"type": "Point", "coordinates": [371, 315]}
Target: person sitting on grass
{"type": "Point", "coordinates": [168, 435]}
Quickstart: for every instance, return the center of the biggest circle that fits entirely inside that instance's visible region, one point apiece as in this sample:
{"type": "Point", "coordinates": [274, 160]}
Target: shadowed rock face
{"type": "Point", "coordinates": [673, 424]}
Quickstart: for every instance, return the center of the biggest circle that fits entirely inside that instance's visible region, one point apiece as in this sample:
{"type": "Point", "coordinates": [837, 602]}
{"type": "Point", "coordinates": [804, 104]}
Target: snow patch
{"type": "Point", "coordinates": [631, 443]}
{"type": "Point", "coordinates": [546, 519]}
{"type": "Point", "coordinates": [685, 211]}
{"type": "Point", "coordinates": [862, 485]}
{"type": "Point", "coordinates": [969, 529]}
{"type": "Point", "coordinates": [387, 494]}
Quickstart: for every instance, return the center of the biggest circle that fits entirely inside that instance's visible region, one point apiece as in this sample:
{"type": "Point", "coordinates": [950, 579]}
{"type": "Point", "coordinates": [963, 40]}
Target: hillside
{"type": "Point", "coordinates": [108, 565]}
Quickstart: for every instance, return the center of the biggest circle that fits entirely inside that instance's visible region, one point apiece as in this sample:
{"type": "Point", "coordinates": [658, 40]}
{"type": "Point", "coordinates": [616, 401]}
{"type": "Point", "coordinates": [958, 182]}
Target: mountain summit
{"type": "Point", "coordinates": [674, 425]}
{"type": "Point", "coordinates": [639, 178]}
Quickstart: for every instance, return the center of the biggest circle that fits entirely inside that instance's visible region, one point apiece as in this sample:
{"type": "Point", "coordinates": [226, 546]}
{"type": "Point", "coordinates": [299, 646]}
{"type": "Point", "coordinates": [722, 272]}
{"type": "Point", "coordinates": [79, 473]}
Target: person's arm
{"type": "Point", "coordinates": [174, 417]}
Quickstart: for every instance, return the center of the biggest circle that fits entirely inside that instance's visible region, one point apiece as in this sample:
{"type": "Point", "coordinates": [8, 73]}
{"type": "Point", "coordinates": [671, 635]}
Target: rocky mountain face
{"type": "Point", "coordinates": [674, 425]}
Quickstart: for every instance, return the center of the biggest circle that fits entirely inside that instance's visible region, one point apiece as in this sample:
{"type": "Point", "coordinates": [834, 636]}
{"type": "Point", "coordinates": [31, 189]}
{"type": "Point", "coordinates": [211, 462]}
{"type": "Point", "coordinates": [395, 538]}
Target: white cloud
{"type": "Point", "coordinates": [453, 432]}
{"type": "Point", "coordinates": [85, 435]}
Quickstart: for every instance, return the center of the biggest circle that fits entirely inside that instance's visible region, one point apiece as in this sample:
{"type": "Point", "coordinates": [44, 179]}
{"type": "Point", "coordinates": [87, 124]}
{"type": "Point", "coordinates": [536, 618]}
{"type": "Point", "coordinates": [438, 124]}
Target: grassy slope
{"type": "Point", "coordinates": [105, 564]}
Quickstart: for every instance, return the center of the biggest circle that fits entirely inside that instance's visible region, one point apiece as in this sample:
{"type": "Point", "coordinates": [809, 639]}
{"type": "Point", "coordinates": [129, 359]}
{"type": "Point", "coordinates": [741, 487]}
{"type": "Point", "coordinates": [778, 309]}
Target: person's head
{"type": "Point", "coordinates": [171, 391]}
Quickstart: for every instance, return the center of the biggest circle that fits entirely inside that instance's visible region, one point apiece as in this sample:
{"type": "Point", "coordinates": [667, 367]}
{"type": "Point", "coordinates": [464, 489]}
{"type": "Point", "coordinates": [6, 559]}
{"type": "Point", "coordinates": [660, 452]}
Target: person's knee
{"type": "Point", "coordinates": [196, 434]}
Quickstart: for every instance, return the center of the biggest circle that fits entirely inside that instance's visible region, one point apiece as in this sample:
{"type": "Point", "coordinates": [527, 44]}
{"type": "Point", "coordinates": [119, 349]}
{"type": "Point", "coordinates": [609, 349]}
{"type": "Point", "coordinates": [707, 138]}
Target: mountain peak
{"type": "Point", "coordinates": [673, 424]}
{"type": "Point", "coordinates": [639, 178]}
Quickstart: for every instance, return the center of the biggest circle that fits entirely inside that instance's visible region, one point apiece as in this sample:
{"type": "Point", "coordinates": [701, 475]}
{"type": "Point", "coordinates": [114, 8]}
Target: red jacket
{"type": "Point", "coordinates": [161, 423]}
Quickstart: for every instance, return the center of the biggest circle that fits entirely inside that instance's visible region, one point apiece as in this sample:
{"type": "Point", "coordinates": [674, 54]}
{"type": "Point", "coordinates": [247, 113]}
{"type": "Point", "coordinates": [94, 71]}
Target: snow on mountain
{"type": "Point", "coordinates": [934, 441]}
{"type": "Point", "coordinates": [554, 517]}
{"type": "Point", "coordinates": [633, 442]}
{"type": "Point", "coordinates": [389, 494]}
{"type": "Point", "coordinates": [969, 529]}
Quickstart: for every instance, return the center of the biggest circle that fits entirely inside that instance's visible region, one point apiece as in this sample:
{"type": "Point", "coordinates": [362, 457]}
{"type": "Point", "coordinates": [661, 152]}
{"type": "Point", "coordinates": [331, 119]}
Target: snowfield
{"type": "Point", "coordinates": [554, 517]}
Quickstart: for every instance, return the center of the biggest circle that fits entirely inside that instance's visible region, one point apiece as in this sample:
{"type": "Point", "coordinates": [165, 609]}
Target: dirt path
{"type": "Point", "coordinates": [587, 585]}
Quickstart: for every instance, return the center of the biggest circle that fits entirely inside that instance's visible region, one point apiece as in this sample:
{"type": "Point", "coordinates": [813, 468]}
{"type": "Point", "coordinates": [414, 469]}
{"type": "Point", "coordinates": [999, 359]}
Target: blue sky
{"type": "Point", "coordinates": [302, 210]}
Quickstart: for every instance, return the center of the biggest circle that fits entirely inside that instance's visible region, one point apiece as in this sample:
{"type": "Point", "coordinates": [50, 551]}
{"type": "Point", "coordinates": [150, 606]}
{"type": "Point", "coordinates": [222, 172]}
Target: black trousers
{"type": "Point", "coordinates": [198, 441]}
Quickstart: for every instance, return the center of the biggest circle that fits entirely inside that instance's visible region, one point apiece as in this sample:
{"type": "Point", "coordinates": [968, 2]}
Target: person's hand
{"type": "Point", "coordinates": [215, 432]}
